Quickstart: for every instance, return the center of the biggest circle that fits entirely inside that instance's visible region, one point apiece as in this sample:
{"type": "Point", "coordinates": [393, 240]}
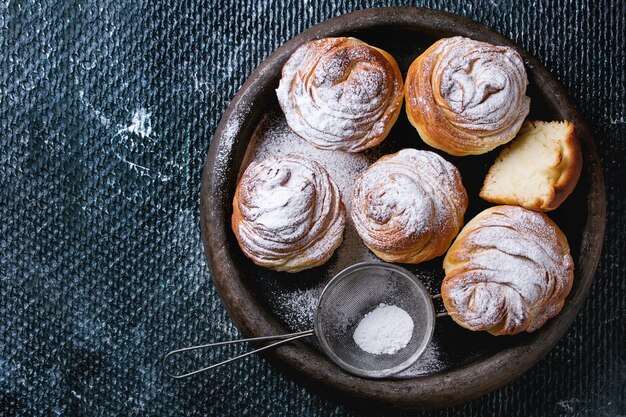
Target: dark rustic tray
{"type": "Point", "coordinates": [470, 363]}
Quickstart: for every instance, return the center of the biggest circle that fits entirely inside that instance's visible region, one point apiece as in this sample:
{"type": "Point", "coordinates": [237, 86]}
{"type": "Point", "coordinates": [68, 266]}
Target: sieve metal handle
{"type": "Point", "coordinates": [283, 338]}
{"type": "Point", "coordinates": [444, 312]}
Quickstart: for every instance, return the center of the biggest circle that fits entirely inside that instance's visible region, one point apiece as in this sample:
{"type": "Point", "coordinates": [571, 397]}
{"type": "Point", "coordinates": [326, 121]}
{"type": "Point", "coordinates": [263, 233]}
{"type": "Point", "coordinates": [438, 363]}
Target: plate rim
{"type": "Point", "coordinates": [310, 366]}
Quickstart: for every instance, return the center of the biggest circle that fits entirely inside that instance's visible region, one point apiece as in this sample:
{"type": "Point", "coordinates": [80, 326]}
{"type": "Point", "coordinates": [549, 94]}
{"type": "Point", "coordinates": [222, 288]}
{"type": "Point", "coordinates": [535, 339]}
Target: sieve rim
{"type": "Point", "coordinates": [430, 320]}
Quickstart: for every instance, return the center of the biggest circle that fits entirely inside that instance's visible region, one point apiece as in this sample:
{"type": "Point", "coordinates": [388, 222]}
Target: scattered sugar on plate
{"type": "Point", "coordinates": [428, 363]}
{"type": "Point", "coordinates": [298, 307]}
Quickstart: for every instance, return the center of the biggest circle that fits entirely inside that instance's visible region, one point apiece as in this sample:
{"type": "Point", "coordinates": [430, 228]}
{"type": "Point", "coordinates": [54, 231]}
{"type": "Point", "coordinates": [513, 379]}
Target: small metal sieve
{"type": "Point", "coordinates": [350, 295]}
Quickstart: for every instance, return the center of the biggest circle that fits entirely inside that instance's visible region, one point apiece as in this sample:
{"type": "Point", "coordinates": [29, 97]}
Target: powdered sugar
{"type": "Point", "coordinates": [428, 363]}
{"type": "Point", "coordinates": [227, 142]}
{"type": "Point", "coordinates": [298, 307]}
{"type": "Point", "coordinates": [385, 330]}
{"type": "Point", "coordinates": [352, 251]}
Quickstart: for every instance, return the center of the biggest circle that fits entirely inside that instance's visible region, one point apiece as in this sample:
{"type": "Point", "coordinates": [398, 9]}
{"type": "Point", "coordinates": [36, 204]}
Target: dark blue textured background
{"type": "Point", "coordinates": [107, 111]}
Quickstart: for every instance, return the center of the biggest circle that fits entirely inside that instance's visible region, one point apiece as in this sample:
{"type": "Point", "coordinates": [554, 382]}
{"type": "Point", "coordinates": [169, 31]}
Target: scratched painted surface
{"type": "Point", "coordinates": [107, 113]}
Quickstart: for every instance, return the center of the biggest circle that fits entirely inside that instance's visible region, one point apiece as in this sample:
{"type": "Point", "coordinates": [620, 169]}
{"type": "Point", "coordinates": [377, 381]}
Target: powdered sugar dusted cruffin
{"type": "Point", "coordinates": [341, 93]}
{"type": "Point", "coordinates": [508, 271]}
{"type": "Point", "coordinates": [287, 213]}
{"type": "Point", "coordinates": [409, 206]}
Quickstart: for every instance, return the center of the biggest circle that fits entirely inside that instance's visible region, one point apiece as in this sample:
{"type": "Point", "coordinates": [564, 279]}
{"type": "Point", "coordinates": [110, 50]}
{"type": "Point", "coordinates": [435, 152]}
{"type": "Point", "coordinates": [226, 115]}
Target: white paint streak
{"type": "Point", "coordinates": [567, 404]}
{"type": "Point", "coordinates": [140, 124]}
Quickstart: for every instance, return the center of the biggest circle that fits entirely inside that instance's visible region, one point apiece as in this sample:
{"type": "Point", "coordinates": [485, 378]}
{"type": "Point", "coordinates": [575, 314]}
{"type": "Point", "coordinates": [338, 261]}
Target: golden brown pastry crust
{"type": "Point", "coordinates": [287, 213]}
{"type": "Point", "coordinates": [569, 165]}
{"type": "Point", "coordinates": [341, 93]}
{"type": "Point", "coordinates": [466, 97]}
{"type": "Point", "coordinates": [408, 206]}
{"type": "Point", "coordinates": [508, 271]}
{"type": "Point", "coordinates": [572, 163]}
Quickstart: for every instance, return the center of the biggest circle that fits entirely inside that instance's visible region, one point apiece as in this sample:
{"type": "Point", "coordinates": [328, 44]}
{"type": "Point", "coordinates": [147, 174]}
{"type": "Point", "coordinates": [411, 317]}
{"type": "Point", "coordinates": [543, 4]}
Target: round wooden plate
{"type": "Point", "coordinates": [473, 363]}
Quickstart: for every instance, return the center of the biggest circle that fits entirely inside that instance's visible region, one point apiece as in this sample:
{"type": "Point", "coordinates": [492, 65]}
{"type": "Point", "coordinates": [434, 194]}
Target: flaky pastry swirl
{"type": "Point", "coordinates": [508, 271]}
{"type": "Point", "coordinates": [408, 206]}
{"type": "Point", "coordinates": [467, 97]}
{"type": "Point", "coordinates": [287, 213]}
{"type": "Point", "coordinates": [341, 93]}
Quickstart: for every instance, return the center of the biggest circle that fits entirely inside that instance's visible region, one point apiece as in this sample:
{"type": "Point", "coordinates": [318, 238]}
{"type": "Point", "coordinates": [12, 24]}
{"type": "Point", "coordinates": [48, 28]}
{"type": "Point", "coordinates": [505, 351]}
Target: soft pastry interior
{"type": "Point", "coordinates": [538, 170]}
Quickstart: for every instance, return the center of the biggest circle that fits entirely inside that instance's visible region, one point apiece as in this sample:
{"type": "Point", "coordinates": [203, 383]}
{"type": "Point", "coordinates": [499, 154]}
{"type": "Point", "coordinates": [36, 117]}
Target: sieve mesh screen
{"type": "Point", "coordinates": [355, 292]}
